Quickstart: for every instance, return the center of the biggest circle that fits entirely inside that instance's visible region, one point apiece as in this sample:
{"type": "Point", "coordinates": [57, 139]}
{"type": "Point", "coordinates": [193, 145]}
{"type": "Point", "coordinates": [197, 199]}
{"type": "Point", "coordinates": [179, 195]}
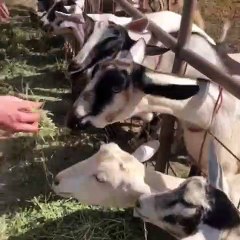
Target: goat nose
{"type": "Point", "coordinates": [71, 120]}
{"type": "Point", "coordinates": [75, 123]}
{"type": "Point", "coordinates": [138, 204]}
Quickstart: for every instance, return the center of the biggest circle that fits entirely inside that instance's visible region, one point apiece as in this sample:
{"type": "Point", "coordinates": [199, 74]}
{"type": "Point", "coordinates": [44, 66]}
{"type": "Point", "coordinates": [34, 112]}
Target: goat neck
{"type": "Point", "coordinates": [160, 182]}
{"type": "Point", "coordinates": [153, 83]}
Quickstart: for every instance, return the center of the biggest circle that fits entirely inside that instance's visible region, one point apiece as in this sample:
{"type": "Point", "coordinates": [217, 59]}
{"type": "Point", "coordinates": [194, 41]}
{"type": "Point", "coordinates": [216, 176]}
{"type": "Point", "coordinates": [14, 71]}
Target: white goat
{"type": "Point", "coordinates": [115, 178]}
{"type": "Point", "coordinates": [194, 211]}
{"type": "Point", "coordinates": [129, 89]}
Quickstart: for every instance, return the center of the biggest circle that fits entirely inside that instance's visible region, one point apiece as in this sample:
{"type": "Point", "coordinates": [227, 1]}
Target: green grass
{"type": "Point", "coordinates": [68, 220]}
{"type": "Point", "coordinates": [32, 66]}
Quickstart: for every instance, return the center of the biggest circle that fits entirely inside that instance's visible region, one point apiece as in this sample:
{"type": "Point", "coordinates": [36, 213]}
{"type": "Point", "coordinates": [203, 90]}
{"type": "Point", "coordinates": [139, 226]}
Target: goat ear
{"type": "Point", "coordinates": [76, 18]}
{"type": "Point", "coordinates": [171, 90]}
{"type": "Point", "coordinates": [222, 207]}
{"type": "Point", "coordinates": [146, 151]}
{"type": "Point", "coordinates": [215, 172]}
{"type": "Point", "coordinates": [138, 51]}
{"type": "Point", "coordinates": [138, 25]}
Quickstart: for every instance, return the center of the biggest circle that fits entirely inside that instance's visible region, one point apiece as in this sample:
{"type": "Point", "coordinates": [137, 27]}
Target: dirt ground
{"type": "Point", "coordinates": [214, 13]}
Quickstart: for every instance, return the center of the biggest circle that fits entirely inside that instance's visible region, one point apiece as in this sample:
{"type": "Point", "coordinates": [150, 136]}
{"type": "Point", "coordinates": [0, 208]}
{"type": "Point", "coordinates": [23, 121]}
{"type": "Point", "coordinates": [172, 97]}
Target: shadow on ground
{"type": "Point", "coordinates": [84, 224]}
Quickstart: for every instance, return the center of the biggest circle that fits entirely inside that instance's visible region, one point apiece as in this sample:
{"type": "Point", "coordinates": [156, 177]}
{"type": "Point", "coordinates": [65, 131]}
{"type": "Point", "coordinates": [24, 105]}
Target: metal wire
{"type": "Point", "coordinates": [222, 144]}
{"type": "Point", "coordinates": [145, 231]}
{"type": "Point", "coordinates": [48, 173]}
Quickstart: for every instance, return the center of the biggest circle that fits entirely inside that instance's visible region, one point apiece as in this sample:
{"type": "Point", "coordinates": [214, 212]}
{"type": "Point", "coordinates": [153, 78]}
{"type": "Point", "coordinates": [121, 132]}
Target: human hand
{"type": "Point", "coordinates": [4, 13]}
{"type": "Point", "coordinates": [16, 115]}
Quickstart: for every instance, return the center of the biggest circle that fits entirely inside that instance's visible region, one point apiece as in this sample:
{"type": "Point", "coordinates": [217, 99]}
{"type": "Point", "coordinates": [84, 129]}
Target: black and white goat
{"type": "Point", "coordinates": [121, 88]}
{"type": "Point", "coordinates": [194, 211]}
{"type": "Point", "coordinates": [120, 33]}
{"type": "Point", "coordinates": [69, 30]}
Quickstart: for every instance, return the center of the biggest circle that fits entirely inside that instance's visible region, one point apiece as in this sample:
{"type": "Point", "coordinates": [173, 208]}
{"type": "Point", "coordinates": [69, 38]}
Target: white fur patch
{"type": "Point", "coordinates": [165, 79]}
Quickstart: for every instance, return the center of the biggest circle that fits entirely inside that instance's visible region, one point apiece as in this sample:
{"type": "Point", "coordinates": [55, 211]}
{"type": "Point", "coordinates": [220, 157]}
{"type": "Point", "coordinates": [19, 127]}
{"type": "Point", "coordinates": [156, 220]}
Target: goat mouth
{"type": "Point", "coordinates": [64, 194]}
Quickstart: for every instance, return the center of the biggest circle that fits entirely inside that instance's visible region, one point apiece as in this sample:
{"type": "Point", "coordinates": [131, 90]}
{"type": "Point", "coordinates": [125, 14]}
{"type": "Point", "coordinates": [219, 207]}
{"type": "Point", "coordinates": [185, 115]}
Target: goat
{"type": "Point", "coordinates": [113, 178]}
{"type": "Point", "coordinates": [114, 38]}
{"type": "Point", "coordinates": [121, 88]}
{"type": "Point", "coordinates": [194, 211]}
{"type": "Point", "coordinates": [50, 22]}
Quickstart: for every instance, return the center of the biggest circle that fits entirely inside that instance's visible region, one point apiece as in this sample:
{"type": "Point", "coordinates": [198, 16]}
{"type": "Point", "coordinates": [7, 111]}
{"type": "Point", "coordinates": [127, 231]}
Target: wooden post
{"type": "Point", "coordinates": [167, 130]}
{"type": "Point", "coordinates": [179, 66]}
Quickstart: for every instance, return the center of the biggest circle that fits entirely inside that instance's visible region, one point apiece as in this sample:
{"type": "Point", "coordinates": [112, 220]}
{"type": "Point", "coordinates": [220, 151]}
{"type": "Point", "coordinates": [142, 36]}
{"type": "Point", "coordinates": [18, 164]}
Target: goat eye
{"type": "Point", "coordinates": [119, 86]}
{"type": "Point", "coordinates": [101, 178]}
{"type": "Point", "coordinates": [116, 89]}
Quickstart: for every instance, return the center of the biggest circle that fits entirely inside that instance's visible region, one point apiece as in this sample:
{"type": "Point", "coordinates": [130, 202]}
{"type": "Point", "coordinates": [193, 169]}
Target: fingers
{"type": "Point", "coordinates": [29, 106]}
{"type": "Point", "coordinates": [27, 128]}
{"type": "Point", "coordinates": [27, 117]}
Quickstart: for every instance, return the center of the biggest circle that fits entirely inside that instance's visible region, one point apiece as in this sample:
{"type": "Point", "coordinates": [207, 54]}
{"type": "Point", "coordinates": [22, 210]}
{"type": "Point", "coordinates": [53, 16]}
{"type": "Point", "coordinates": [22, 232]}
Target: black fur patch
{"type": "Point", "coordinates": [223, 214]}
{"type": "Point", "coordinates": [114, 40]}
{"type": "Point", "coordinates": [70, 2]}
{"type": "Point", "coordinates": [155, 50]}
{"type": "Point", "coordinates": [45, 4]}
{"type": "Point", "coordinates": [110, 83]}
{"type": "Point", "coordinates": [181, 201]}
{"type": "Point", "coordinates": [59, 6]}
{"type": "Point", "coordinates": [189, 225]}
{"type": "Point", "coordinates": [171, 219]}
